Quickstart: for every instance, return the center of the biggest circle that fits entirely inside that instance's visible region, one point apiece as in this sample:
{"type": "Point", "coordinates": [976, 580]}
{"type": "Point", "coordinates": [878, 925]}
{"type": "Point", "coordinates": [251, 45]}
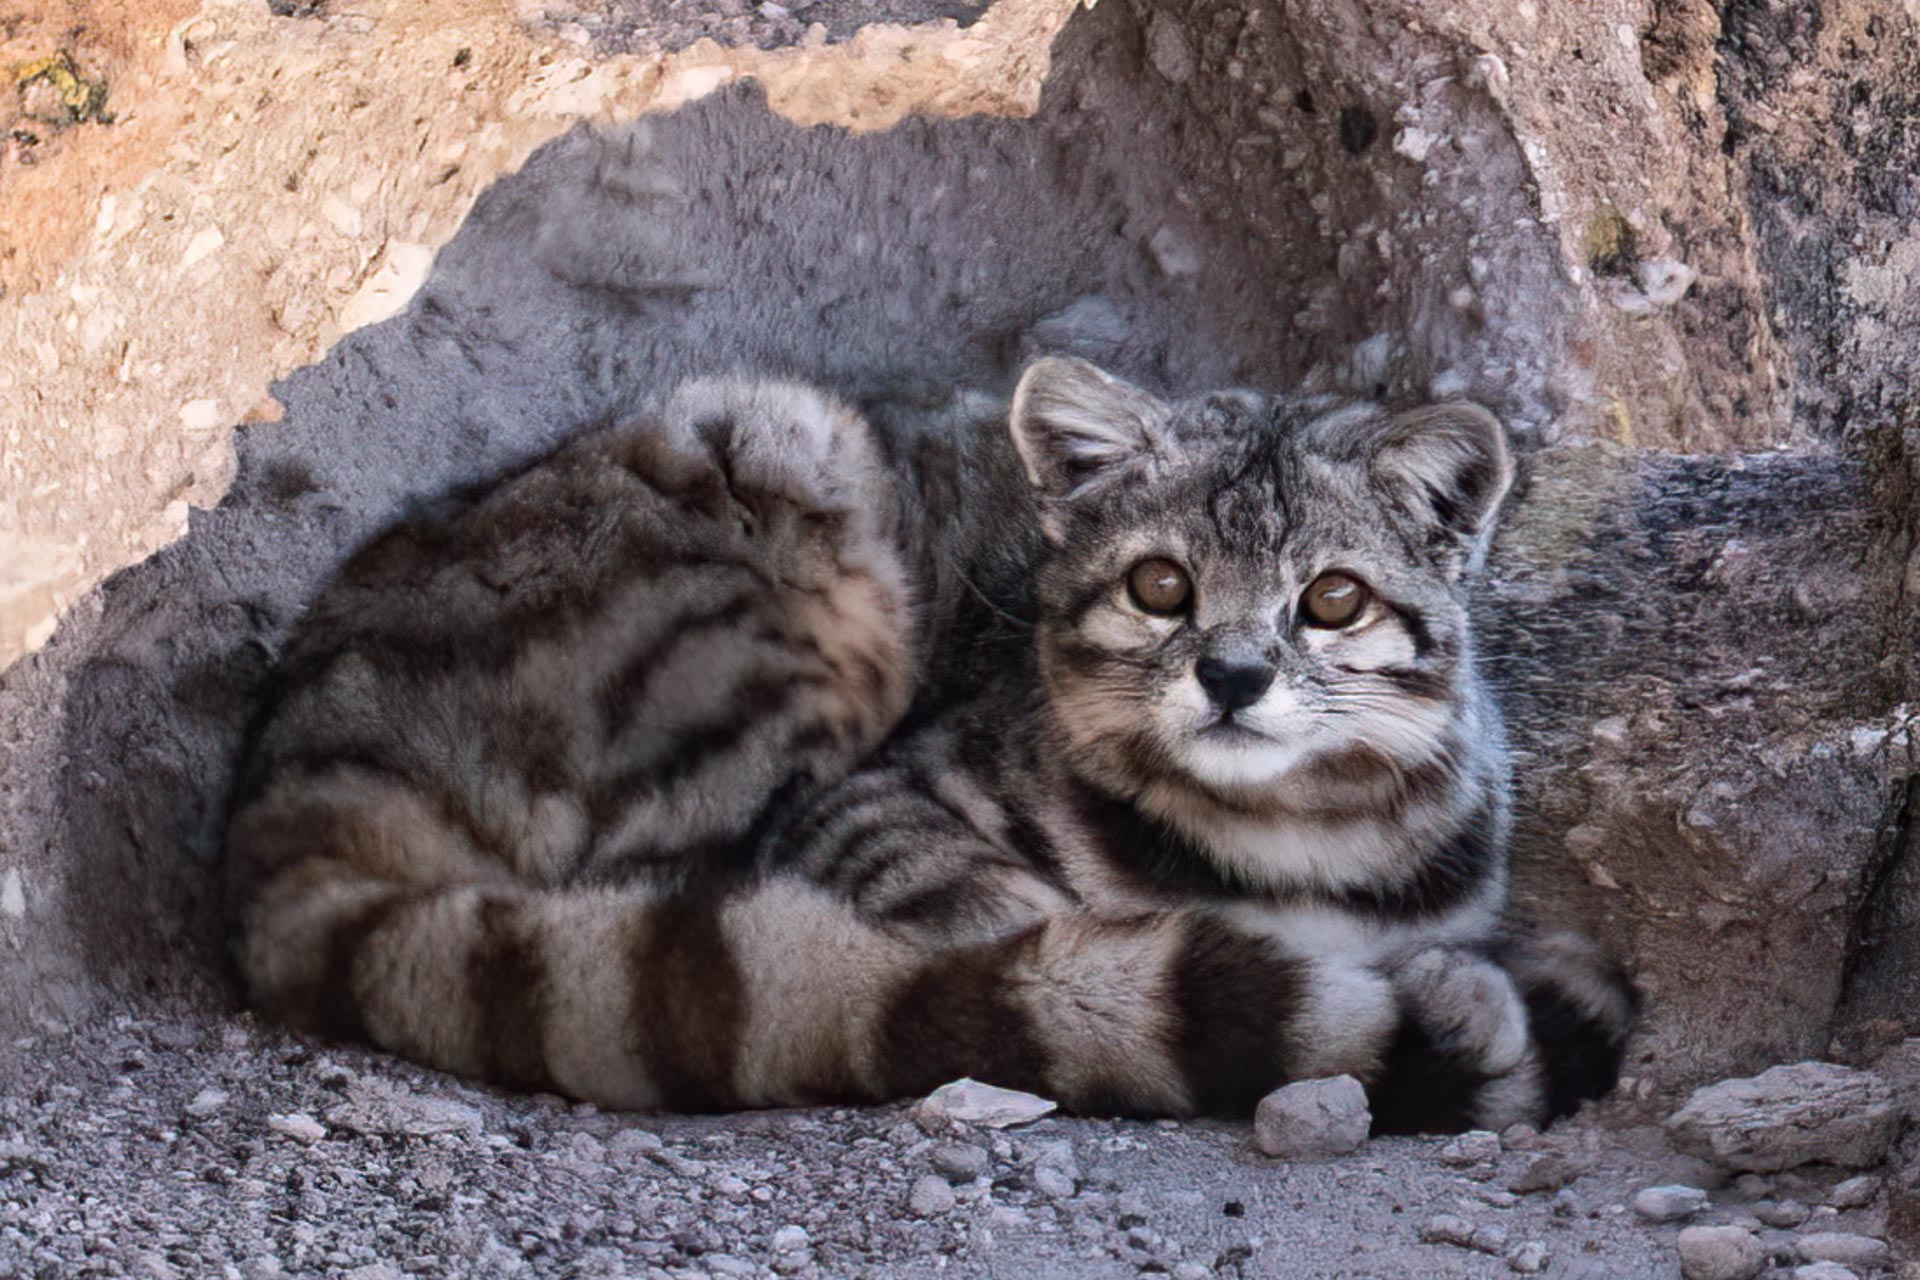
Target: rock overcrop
{"type": "Point", "coordinates": [1803, 1113]}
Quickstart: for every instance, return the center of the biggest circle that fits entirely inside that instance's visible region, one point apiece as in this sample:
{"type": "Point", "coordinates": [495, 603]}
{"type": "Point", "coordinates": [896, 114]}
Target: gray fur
{"type": "Point", "coordinates": [627, 749]}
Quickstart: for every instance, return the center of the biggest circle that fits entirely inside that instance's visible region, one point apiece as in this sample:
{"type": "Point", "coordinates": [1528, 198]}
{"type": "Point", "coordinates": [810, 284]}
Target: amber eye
{"type": "Point", "coordinates": [1160, 586]}
{"type": "Point", "coordinates": [1334, 600]}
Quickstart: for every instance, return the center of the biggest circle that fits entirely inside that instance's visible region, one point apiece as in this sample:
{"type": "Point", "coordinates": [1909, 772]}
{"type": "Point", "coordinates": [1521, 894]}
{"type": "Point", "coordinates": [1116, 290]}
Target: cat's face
{"type": "Point", "coordinates": [1257, 599]}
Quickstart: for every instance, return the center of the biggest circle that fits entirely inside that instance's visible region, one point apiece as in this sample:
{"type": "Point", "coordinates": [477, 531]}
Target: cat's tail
{"type": "Point", "coordinates": [780, 993]}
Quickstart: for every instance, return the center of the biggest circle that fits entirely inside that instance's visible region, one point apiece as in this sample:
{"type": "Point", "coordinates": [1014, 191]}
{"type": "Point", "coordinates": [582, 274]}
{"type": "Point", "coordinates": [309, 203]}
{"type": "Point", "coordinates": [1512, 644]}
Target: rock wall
{"type": "Point", "coordinates": [420, 244]}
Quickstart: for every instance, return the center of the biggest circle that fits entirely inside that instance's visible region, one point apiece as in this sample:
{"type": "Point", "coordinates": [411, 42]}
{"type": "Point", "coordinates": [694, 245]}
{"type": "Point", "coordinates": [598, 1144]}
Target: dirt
{"type": "Point", "coordinates": [166, 1143]}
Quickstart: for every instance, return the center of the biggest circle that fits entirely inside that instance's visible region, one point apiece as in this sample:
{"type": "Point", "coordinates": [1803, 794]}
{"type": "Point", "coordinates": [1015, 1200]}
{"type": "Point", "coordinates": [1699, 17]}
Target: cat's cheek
{"type": "Point", "coordinates": [1125, 631]}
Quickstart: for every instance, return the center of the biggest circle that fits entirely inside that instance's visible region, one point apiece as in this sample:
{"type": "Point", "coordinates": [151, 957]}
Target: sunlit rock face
{"type": "Point", "coordinates": [1664, 264]}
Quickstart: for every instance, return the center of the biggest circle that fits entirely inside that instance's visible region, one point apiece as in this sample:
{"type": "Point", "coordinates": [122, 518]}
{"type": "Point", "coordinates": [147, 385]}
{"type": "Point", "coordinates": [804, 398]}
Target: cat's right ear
{"type": "Point", "coordinates": [1077, 427]}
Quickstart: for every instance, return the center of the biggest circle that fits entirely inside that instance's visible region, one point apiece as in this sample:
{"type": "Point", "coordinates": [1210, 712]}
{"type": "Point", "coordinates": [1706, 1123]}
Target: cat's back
{"type": "Point", "coordinates": [612, 658]}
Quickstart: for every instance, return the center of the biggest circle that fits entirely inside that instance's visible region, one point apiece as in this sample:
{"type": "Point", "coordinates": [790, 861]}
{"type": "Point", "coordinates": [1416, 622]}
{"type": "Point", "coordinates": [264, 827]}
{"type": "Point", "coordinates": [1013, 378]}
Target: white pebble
{"type": "Point", "coordinates": [1720, 1253]}
{"type": "Point", "coordinates": [1854, 1193]}
{"type": "Point", "coordinates": [1843, 1247]}
{"type": "Point", "coordinates": [1529, 1258]}
{"type": "Point", "coordinates": [930, 1197]}
{"type": "Point", "coordinates": [302, 1128]}
{"type": "Point", "coordinates": [1669, 1203]}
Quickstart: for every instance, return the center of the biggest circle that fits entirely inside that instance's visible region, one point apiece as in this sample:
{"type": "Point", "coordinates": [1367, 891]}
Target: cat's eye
{"type": "Point", "coordinates": [1158, 585]}
{"type": "Point", "coordinates": [1334, 600]}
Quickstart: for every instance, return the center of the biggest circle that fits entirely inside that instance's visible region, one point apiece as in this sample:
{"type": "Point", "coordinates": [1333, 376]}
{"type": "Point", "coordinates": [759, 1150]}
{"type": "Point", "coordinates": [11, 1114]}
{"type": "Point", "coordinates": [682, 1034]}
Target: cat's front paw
{"type": "Point", "coordinates": [1467, 1005]}
{"type": "Point", "coordinates": [1462, 1055]}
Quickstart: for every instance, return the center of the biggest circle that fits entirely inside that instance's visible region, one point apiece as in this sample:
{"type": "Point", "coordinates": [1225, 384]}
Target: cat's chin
{"type": "Point", "coordinates": [1232, 756]}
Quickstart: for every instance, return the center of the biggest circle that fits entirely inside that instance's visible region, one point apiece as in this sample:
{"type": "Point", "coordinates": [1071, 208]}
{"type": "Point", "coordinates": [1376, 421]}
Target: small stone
{"type": "Point", "coordinates": [1823, 1271]}
{"type": "Point", "coordinates": [1529, 1258]}
{"type": "Point", "coordinates": [1447, 1228]}
{"type": "Point", "coordinates": [970, 1102]}
{"type": "Point", "coordinates": [1784, 1214]}
{"type": "Point", "coordinates": [1720, 1253]}
{"type": "Point", "coordinates": [633, 1144]}
{"type": "Point", "coordinates": [377, 1107]}
{"type": "Point", "coordinates": [791, 1238]}
{"type": "Point", "coordinates": [1854, 1193]}
{"type": "Point", "coordinates": [1543, 1171]}
{"type": "Point", "coordinates": [1843, 1247]}
{"type": "Point", "coordinates": [19, 1153]}
{"type": "Point", "coordinates": [1692, 1171]}
{"type": "Point", "coordinates": [930, 1197]}
{"type": "Point", "coordinates": [1752, 1186]}
{"type": "Point", "coordinates": [1053, 1182]}
{"type": "Point", "coordinates": [206, 1102]}
{"type": "Point", "coordinates": [1168, 50]}
{"type": "Point", "coordinates": [1472, 1147]}
{"type": "Point", "coordinates": [374, 1271]}
{"type": "Point", "coordinates": [302, 1128]}
{"type": "Point", "coordinates": [1520, 1137]}
{"type": "Point", "coordinates": [960, 1161]}
{"type": "Point", "coordinates": [1669, 1204]}
{"type": "Point", "coordinates": [1191, 1271]}
{"type": "Point", "coordinates": [1313, 1118]}
{"type": "Point", "coordinates": [1803, 1113]}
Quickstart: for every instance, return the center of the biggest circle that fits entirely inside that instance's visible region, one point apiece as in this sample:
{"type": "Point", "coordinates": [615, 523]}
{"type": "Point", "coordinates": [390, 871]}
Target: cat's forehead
{"type": "Point", "coordinates": [1254, 486]}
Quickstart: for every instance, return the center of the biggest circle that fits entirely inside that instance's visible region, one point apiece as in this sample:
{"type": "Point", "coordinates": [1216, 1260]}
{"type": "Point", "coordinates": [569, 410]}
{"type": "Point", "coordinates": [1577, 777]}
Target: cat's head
{"type": "Point", "coordinates": [1253, 600]}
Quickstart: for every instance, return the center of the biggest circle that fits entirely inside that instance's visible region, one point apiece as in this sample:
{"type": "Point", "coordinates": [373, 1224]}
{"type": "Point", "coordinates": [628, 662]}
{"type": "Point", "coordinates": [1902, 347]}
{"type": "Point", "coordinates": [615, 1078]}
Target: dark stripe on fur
{"type": "Point", "coordinates": [1152, 853]}
{"type": "Point", "coordinates": [506, 980]}
{"type": "Point", "coordinates": [956, 1017]}
{"type": "Point", "coordinates": [331, 1008]}
{"type": "Point", "coordinates": [380, 762]}
{"type": "Point", "coordinates": [624, 693]}
{"type": "Point", "coordinates": [1235, 999]}
{"type": "Point", "coordinates": [1423, 1088]}
{"type": "Point", "coordinates": [1580, 1056]}
{"type": "Point", "coordinates": [750, 707]}
{"type": "Point", "coordinates": [689, 1004]}
{"type": "Point", "coordinates": [1449, 875]}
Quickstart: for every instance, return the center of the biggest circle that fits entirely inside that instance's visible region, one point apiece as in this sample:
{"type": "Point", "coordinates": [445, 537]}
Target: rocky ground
{"type": "Point", "coordinates": [166, 1144]}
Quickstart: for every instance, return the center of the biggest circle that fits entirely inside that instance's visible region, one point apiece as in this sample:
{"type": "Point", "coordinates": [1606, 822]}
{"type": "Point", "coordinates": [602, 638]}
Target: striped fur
{"type": "Point", "coordinates": [723, 760]}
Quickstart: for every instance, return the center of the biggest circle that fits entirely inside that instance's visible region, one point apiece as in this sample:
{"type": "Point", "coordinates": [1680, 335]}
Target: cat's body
{"type": "Point", "coordinates": [718, 762]}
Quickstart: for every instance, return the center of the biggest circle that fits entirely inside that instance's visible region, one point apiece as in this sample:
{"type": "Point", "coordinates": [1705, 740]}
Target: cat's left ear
{"type": "Point", "coordinates": [1445, 466]}
{"type": "Point", "coordinates": [1078, 428]}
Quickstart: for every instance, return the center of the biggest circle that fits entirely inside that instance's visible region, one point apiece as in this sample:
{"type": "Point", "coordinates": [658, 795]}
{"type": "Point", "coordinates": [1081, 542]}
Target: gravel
{"type": "Point", "coordinates": [165, 1143]}
{"type": "Point", "coordinates": [1824, 1271]}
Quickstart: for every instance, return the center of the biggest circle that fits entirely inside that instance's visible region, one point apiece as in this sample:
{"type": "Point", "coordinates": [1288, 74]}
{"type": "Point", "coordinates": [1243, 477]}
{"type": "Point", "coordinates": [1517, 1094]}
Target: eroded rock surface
{"type": "Point", "coordinates": [1787, 1116]}
{"type": "Point", "coordinates": [1651, 239]}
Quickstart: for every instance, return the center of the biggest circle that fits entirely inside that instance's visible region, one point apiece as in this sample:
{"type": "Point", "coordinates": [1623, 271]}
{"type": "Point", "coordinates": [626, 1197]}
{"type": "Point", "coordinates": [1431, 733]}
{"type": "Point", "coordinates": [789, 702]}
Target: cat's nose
{"type": "Point", "coordinates": [1233, 685]}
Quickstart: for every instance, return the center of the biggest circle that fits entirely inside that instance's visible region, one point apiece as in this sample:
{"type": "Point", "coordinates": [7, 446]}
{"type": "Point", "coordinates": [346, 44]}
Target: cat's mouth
{"type": "Point", "coordinates": [1227, 729]}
